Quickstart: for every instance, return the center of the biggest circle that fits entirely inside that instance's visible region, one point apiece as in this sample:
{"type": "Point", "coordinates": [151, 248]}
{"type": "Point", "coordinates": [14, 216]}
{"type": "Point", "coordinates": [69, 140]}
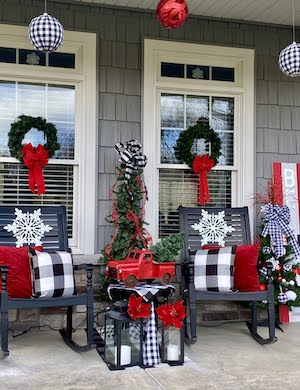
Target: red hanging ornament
{"type": "Point", "coordinates": [172, 13]}
{"type": "Point", "coordinates": [262, 287]}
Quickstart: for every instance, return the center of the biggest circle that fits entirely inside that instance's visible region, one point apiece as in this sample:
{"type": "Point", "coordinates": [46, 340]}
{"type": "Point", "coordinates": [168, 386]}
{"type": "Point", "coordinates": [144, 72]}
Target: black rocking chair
{"type": "Point", "coordinates": [55, 239]}
{"type": "Point", "coordinates": [238, 218]}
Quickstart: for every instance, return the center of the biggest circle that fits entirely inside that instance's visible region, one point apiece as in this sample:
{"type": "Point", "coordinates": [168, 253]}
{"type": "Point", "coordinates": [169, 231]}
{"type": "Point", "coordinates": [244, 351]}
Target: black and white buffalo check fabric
{"type": "Point", "coordinates": [214, 268]}
{"type": "Point", "coordinates": [150, 347]}
{"type": "Point", "coordinates": [46, 33]}
{"type": "Point", "coordinates": [289, 60]}
{"type": "Point", "coordinates": [52, 274]}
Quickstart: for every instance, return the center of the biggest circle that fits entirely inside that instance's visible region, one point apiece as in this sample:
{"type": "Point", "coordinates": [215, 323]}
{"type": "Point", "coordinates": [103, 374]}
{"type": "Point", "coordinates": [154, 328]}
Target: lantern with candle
{"type": "Point", "coordinates": [123, 338]}
{"type": "Point", "coordinates": [172, 331]}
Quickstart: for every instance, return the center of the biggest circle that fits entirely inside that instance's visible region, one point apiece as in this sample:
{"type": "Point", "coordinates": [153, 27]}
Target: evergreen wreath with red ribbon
{"type": "Point", "coordinates": [33, 158]}
{"type": "Point", "coordinates": [200, 164]}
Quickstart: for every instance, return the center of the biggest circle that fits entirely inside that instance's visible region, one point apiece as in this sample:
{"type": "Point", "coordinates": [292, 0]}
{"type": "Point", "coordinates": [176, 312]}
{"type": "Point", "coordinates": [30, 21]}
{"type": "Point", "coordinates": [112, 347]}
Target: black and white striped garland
{"type": "Point", "coordinates": [289, 60]}
{"type": "Point", "coordinates": [46, 33]}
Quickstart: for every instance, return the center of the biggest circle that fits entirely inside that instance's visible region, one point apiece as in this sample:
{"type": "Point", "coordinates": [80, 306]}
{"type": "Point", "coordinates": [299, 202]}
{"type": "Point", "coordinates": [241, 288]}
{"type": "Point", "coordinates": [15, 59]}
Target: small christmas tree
{"type": "Point", "coordinates": [278, 246]}
{"type": "Point", "coordinates": [129, 196]}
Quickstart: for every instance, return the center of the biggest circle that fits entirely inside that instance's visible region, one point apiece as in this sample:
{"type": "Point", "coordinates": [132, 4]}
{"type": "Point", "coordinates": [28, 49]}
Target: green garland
{"type": "Point", "coordinates": [19, 128]}
{"type": "Point", "coordinates": [187, 137]}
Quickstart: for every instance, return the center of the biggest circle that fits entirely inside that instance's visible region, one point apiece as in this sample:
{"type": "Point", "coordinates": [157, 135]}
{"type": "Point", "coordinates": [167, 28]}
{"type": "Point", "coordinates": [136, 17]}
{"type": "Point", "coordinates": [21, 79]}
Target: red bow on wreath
{"type": "Point", "coordinates": [203, 165]}
{"type": "Point", "coordinates": [34, 159]}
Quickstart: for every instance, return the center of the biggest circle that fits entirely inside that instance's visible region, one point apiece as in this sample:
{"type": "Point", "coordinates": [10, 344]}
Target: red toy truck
{"type": "Point", "coordinates": [139, 265]}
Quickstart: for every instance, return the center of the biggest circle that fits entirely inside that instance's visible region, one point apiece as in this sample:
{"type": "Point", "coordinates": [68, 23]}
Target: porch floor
{"type": "Point", "coordinates": [225, 357]}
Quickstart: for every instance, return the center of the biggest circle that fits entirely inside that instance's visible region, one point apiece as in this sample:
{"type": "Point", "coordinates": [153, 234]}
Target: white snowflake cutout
{"type": "Point", "coordinates": [213, 228]}
{"type": "Point", "coordinates": [28, 228]}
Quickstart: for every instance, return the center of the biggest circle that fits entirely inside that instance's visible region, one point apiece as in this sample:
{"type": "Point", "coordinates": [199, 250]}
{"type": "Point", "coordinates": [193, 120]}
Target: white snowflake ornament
{"type": "Point", "coordinates": [213, 228]}
{"type": "Point", "coordinates": [28, 228]}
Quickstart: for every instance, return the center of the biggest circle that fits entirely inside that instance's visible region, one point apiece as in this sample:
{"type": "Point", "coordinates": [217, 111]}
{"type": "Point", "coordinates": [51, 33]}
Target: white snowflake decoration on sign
{"type": "Point", "coordinates": [28, 228]}
{"type": "Point", "coordinates": [213, 228]}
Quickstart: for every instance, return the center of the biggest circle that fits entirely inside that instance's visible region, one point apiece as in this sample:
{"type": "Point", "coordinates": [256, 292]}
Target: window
{"type": "Point", "coordinates": [183, 83]}
{"type": "Point", "coordinates": [59, 87]}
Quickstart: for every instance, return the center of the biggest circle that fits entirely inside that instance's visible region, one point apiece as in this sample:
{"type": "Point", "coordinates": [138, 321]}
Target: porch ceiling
{"type": "Point", "coordinates": [258, 11]}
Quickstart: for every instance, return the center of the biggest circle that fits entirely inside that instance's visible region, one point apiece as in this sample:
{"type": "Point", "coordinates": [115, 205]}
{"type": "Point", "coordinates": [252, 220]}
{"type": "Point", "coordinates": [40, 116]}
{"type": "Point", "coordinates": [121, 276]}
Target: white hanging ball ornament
{"type": "Point", "coordinates": [291, 295]}
{"type": "Point", "coordinates": [46, 33]}
{"type": "Point", "coordinates": [292, 282]}
{"type": "Point", "coordinates": [283, 280]}
{"type": "Point", "coordinates": [289, 60]}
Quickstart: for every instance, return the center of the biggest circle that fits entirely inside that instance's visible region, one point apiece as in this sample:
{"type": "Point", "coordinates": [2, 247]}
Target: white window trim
{"type": "Point", "coordinates": [157, 51]}
{"type": "Point", "coordinates": [84, 78]}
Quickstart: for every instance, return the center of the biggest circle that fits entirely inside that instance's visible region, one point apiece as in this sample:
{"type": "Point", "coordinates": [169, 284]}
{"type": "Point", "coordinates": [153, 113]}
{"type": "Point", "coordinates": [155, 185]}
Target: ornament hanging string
{"type": "Point", "coordinates": [34, 160]}
{"type": "Point", "coordinates": [277, 220]}
{"type": "Point", "coordinates": [203, 165]}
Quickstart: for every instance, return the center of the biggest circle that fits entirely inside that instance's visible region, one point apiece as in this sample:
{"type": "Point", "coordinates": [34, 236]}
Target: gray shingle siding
{"type": "Point", "coordinates": [120, 35]}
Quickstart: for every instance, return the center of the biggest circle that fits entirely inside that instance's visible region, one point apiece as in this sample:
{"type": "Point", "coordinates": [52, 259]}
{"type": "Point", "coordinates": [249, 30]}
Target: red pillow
{"type": "Point", "coordinates": [19, 275]}
{"type": "Point", "coordinates": [245, 268]}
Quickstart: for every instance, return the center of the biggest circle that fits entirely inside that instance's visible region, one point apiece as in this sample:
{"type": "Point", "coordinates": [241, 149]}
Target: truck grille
{"type": "Point", "coordinates": [112, 273]}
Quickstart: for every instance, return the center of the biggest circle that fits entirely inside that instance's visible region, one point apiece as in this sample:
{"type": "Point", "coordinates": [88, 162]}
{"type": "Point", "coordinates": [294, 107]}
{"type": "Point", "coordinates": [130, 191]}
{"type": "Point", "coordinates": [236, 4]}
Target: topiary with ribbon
{"type": "Point", "coordinates": [199, 160]}
{"type": "Point", "coordinates": [33, 158]}
{"type": "Point", "coordinates": [128, 195]}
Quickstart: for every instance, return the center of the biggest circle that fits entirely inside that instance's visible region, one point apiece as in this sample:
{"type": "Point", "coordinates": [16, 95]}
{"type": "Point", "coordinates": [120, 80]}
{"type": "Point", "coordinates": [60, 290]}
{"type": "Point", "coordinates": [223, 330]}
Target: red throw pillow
{"type": "Point", "coordinates": [19, 275]}
{"type": "Point", "coordinates": [245, 268]}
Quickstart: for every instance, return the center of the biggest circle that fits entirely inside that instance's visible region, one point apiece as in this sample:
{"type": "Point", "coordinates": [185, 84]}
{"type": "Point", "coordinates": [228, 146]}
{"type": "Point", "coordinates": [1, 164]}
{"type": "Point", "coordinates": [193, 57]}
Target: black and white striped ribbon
{"type": "Point", "coordinates": [131, 156]}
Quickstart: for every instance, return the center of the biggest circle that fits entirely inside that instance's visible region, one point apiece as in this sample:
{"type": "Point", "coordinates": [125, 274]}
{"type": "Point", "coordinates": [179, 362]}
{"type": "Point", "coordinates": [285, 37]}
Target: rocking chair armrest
{"type": "Point", "coordinates": [4, 272]}
{"type": "Point", "coordinates": [87, 267]}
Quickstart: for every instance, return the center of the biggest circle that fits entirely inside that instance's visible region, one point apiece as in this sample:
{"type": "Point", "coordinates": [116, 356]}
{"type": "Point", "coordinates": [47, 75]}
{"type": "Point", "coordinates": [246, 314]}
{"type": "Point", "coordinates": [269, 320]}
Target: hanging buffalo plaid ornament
{"type": "Point", "coordinates": [172, 13]}
{"type": "Point", "coordinates": [46, 33]}
{"type": "Point", "coordinates": [289, 60]}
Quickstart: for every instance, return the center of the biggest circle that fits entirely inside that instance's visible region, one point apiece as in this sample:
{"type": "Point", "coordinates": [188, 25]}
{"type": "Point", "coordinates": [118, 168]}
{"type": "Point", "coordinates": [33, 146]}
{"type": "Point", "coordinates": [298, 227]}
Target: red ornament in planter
{"type": "Point", "coordinates": [172, 13]}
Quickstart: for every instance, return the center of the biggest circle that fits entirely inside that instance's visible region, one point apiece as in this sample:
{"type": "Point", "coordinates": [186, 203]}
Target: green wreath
{"type": "Point", "coordinates": [19, 128]}
{"type": "Point", "coordinates": [187, 138]}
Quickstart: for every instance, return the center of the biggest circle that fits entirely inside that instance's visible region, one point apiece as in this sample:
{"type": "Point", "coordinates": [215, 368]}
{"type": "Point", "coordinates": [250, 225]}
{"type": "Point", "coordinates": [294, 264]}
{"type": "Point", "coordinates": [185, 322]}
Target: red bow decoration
{"type": "Point", "coordinates": [138, 309]}
{"type": "Point", "coordinates": [34, 159]}
{"type": "Point", "coordinates": [203, 165]}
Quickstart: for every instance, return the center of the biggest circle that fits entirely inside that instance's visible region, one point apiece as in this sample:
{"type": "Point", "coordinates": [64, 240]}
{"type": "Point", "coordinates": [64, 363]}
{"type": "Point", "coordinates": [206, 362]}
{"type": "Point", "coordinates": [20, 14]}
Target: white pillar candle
{"type": "Point", "coordinates": [172, 352]}
{"type": "Point", "coordinates": [125, 355]}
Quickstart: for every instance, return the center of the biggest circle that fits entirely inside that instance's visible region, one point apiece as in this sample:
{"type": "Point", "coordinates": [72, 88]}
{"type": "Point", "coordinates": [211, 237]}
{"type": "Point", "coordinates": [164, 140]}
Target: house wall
{"type": "Point", "coordinates": [119, 53]}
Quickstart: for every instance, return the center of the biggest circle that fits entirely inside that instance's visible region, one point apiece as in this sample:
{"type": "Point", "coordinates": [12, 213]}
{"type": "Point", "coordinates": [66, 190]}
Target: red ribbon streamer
{"type": "Point", "coordinates": [34, 159]}
{"type": "Point", "coordinates": [203, 165]}
{"type": "Point", "coordinates": [142, 232]}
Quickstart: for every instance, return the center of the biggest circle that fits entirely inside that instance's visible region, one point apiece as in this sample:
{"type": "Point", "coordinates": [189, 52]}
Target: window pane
{"type": "Point", "coordinates": [168, 141]}
{"type": "Point", "coordinates": [196, 107]}
{"type": "Point", "coordinates": [8, 55]}
{"type": "Point", "coordinates": [181, 187]}
{"type": "Point", "coordinates": [53, 102]}
{"type": "Point", "coordinates": [222, 121]}
{"type": "Point", "coordinates": [197, 72]}
{"type": "Point", "coordinates": [14, 188]}
{"type": "Point", "coordinates": [32, 57]}
{"type": "Point", "coordinates": [63, 60]}
{"type": "Point", "coordinates": [222, 74]}
{"type": "Point", "coordinates": [172, 111]}
{"type": "Point", "coordinates": [172, 70]}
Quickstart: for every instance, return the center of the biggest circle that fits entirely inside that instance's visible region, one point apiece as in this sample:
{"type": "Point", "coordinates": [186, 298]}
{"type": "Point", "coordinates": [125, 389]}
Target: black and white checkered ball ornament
{"type": "Point", "coordinates": [46, 33]}
{"type": "Point", "coordinates": [282, 298]}
{"type": "Point", "coordinates": [289, 60]}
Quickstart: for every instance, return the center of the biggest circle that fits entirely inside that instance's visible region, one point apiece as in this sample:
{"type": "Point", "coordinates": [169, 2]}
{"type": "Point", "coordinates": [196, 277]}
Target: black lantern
{"type": "Point", "coordinates": [172, 345]}
{"type": "Point", "coordinates": [123, 338]}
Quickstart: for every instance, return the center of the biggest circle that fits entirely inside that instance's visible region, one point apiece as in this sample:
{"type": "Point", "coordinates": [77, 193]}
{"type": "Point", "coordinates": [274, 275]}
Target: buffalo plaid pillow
{"type": "Point", "coordinates": [52, 274]}
{"type": "Point", "coordinates": [214, 268]}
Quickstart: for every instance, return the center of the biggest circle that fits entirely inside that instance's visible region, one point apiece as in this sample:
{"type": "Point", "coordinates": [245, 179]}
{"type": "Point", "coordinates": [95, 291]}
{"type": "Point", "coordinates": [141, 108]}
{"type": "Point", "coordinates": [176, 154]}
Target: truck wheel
{"type": "Point", "coordinates": [166, 278]}
{"type": "Point", "coordinates": [130, 281]}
